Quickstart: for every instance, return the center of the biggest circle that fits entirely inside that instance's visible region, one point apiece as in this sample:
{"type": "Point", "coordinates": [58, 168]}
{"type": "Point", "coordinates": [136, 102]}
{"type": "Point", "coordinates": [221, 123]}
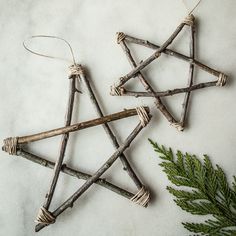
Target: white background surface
{"type": "Point", "coordinates": [34, 96]}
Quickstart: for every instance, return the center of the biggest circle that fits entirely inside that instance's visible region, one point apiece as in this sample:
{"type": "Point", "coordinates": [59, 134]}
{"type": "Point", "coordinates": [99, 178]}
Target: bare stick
{"type": "Point", "coordinates": [75, 173]}
{"type": "Point", "coordinates": [166, 93]}
{"type": "Point", "coordinates": [65, 137]}
{"type": "Point", "coordinates": [170, 52]}
{"type": "Point", "coordinates": [76, 127]}
{"type": "Point", "coordinates": [147, 86]}
{"type": "Point", "coordinates": [155, 55]}
{"type": "Point", "coordinates": [70, 201]}
{"type": "Point", "coordinates": [190, 80]}
{"type": "Point", "coordinates": [109, 132]}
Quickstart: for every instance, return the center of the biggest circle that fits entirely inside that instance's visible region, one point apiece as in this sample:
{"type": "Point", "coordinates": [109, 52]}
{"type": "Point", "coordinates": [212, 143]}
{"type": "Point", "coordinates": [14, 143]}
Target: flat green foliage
{"type": "Point", "coordinates": [209, 192]}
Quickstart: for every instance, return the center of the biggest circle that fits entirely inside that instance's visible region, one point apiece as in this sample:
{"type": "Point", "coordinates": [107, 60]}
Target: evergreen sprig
{"type": "Point", "coordinates": [209, 192]}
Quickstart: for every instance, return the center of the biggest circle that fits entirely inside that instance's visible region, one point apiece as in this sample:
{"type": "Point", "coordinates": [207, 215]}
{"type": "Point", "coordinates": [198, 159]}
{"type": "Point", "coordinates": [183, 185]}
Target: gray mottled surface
{"type": "Point", "coordinates": [34, 95]}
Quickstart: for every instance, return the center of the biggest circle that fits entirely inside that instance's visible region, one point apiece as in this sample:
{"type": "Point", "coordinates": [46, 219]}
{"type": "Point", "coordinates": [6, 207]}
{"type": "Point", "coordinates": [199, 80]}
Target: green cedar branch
{"type": "Point", "coordinates": [208, 191]}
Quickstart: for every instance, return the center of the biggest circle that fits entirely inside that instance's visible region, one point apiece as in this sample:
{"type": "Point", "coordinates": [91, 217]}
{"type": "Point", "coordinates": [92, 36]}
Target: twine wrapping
{"type": "Point", "coordinates": [120, 37]}
{"type": "Point", "coordinates": [222, 80]}
{"type": "Point", "coordinates": [44, 217]}
{"type": "Point", "coordinates": [116, 91]}
{"type": "Point", "coordinates": [10, 145]}
{"type": "Point", "coordinates": [76, 70]}
{"type": "Point", "coordinates": [143, 116]}
{"type": "Point", "coordinates": [142, 197]}
{"type": "Point", "coordinates": [178, 126]}
{"type": "Point", "coordinates": [189, 20]}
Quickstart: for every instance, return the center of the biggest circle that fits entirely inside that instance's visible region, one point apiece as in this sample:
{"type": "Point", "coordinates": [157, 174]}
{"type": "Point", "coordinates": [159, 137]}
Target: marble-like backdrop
{"type": "Point", "coordinates": [34, 96]}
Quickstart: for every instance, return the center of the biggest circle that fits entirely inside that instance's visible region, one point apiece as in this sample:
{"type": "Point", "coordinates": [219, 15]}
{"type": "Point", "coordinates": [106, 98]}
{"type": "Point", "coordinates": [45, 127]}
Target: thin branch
{"type": "Point", "coordinates": [147, 86]}
{"type": "Point", "coordinates": [172, 92]}
{"type": "Point", "coordinates": [72, 172]}
{"type": "Point", "coordinates": [78, 126]}
{"type": "Point", "coordinates": [70, 201]}
{"type": "Point", "coordinates": [109, 132]}
{"type": "Point", "coordinates": [170, 52]}
{"type": "Point", "coordinates": [64, 141]}
{"type": "Point", "coordinates": [191, 74]}
{"type": "Point", "coordinates": [150, 59]}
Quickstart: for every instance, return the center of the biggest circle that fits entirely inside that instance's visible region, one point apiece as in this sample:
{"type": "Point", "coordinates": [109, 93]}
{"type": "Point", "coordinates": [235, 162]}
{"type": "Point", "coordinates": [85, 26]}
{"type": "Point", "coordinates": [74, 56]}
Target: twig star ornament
{"type": "Point", "coordinates": [13, 146]}
{"type": "Point", "coordinates": [118, 89]}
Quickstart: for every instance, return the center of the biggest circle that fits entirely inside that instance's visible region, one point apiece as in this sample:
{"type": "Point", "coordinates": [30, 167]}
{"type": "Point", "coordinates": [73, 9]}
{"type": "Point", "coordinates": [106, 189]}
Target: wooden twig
{"type": "Point", "coordinates": [72, 172]}
{"type": "Point", "coordinates": [64, 141]}
{"type": "Point", "coordinates": [191, 74]}
{"type": "Point", "coordinates": [109, 132]}
{"type": "Point", "coordinates": [150, 59]}
{"type": "Point", "coordinates": [173, 53]}
{"type": "Point", "coordinates": [166, 93]}
{"type": "Point", "coordinates": [70, 201]}
{"type": "Point", "coordinates": [146, 85]}
{"type": "Point", "coordinates": [76, 127]}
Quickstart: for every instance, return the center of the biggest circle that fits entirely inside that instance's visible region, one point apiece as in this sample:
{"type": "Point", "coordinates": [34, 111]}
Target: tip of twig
{"type": "Point", "coordinates": [36, 229]}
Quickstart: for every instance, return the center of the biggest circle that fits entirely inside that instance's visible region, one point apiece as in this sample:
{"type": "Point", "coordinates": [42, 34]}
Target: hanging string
{"type": "Point", "coordinates": [49, 56]}
{"type": "Point", "coordinates": [75, 69]}
{"type": "Point", "coordinates": [193, 9]}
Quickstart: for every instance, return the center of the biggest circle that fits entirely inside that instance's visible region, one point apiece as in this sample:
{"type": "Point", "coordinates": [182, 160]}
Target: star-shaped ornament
{"type": "Point", "coordinates": [15, 146]}
{"type": "Point", "coordinates": [119, 89]}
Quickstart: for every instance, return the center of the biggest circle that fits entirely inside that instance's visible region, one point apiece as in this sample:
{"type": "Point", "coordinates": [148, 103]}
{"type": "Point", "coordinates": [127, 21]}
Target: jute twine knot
{"type": "Point", "coordinates": [116, 91]}
{"type": "Point", "coordinates": [120, 37]}
{"type": "Point", "coordinates": [178, 126]}
{"type": "Point", "coordinates": [142, 197]}
{"type": "Point", "coordinates": [222, 80]}
{"type": "Point", "coordinates": [44, 217]}
{"type": "Point", "coordinates": [76, 70]}
{"type": "Point", "coordinates": [10, 145]}
{"type": "Point", "coordinates": [189, 20]}
{"type": "Point", "coordinates": [143, 116]}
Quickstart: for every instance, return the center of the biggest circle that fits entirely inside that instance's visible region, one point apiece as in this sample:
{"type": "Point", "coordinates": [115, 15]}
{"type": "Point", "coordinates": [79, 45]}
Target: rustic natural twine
{"type": "Point", "coordinates": [10, 145]}
{"type": "Point", "coordinates": [44, 217]}
{"type": "Point", "coordinates": [189, 20]}
{"type": "Point", "coordinates": [76, 69]}
{"type": "Point", "coordinates": [143, 115]}
{"type": "Point", "coordinates": [222, 80]}
{"type": "Point", "coordinates": [178, 126]}
{"type": "Point", "coordinates": [142, 197]}
{"type": "Point", "coordinates": [115, 91]}
{"type": "Point", "coordinates": [193, 9]}
{"type": "Point", "coordinates": [120, 37]}
{"type": "Point", "coordinates": [49, 56]}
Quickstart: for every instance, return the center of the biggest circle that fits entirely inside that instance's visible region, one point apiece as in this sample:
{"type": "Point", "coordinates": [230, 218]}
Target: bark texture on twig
{"type": "Point", "coordinates": [146, 85]}
{"type": "Point", "coordinates": [191, 74]}
{"type": "Point", "coordinates": [70, 201]}
{"type": "Point", "coordinates": [150, 59]}
{"type": "Point", "coordinates": [78, 126]}
{"type": "Point", "coordinates": [64, 141]}
{"type": "Point", "coordinates": [173, 53]}
{"type": "Point", "coordinates": [74, 173]}
{"type": "Point", "coordinates": [168, 92]}
{"type": "Point", "coordinates": [109, 132]}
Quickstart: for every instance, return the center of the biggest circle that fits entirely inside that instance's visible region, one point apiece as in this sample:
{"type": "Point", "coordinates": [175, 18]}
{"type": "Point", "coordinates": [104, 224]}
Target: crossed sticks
{"type": "Point", "coordinates": [13, 146]}
{"type": "Point", "coordinates": [119, 90]}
